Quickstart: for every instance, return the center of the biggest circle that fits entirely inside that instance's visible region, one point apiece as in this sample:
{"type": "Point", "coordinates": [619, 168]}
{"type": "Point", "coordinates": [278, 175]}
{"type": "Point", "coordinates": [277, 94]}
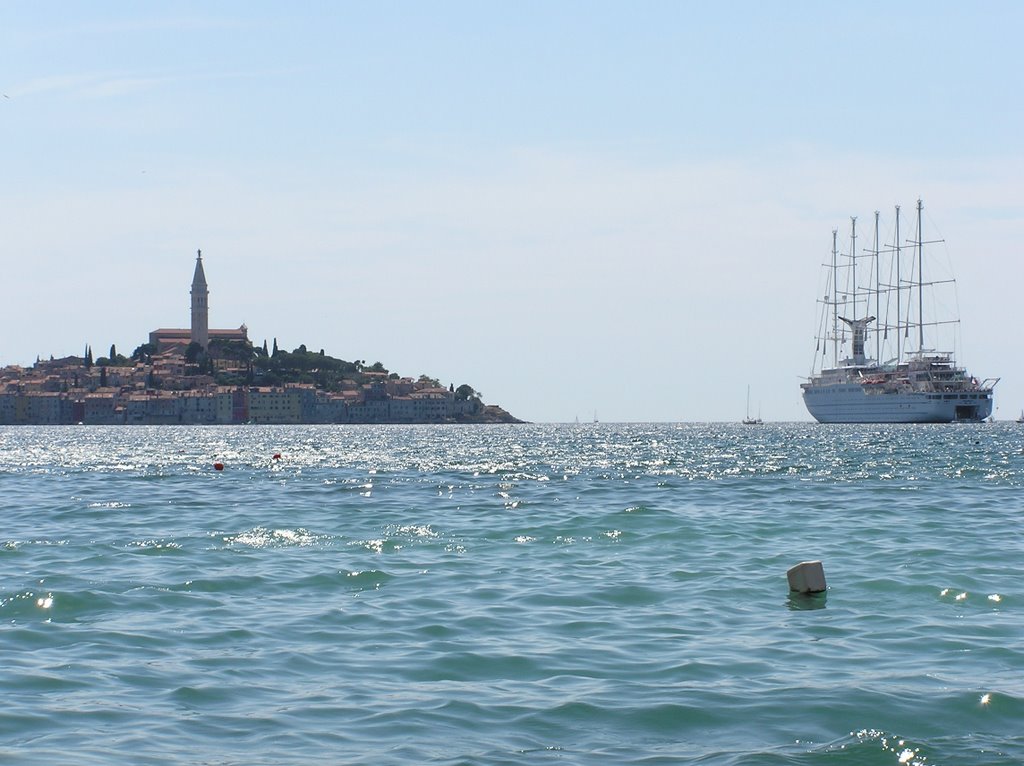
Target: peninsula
{"type": "Point", "coordinates": [198, 375]}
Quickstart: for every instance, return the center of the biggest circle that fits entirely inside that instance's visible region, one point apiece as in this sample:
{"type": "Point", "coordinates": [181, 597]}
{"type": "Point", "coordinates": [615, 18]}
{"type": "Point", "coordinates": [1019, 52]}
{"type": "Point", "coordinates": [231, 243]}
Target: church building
{"type": "Point", "coordinates": [166, 339]}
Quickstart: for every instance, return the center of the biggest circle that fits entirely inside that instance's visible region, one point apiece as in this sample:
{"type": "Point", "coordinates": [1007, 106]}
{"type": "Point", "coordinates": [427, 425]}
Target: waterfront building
{"type": "Point", "coordinates": [198, 407]}
{"type": "Point", "coordinates": [100, 408]}
{"type": "Point", "coordinates": [274, 405]}
{"type": "Point", "coordinates": [47, 408]}
{"type": "Point", "coordinates": [8, 405]}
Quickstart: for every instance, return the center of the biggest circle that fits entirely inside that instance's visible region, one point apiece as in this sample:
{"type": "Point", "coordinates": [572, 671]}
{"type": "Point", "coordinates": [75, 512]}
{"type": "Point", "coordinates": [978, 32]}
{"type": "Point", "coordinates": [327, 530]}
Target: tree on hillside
{"type": "Point", "coordinates": [466, 391]}
{"type": "Point", "coordinates": [113, 353]}
{"type": "Point", "coordinates": [192, 352]}
{"type": "Point", "coordinates": [144, 353]}
{"type": "Point", "coordinates": [235, 350]}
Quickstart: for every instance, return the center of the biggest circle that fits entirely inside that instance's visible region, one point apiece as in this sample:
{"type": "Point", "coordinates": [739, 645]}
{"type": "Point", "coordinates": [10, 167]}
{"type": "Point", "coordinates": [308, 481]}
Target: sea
{"type": "Point", "coordinates": [528, 594]}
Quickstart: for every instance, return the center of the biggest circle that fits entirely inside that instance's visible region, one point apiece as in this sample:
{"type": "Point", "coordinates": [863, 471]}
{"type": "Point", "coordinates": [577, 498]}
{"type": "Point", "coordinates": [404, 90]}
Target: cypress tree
{"type": "Point", "coordinates": [275, 347]}
{"type": "Point", "coordinates": [113, 353]}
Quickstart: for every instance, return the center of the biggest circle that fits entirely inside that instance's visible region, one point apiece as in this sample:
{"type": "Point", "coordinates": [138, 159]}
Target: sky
{"type": "Point", "coordinates": [581, 208]}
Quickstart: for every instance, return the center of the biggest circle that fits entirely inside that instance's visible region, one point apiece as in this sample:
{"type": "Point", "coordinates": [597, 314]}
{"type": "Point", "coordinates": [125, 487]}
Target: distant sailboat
{"type": "Point", "coordinates": [747, 420]}
{"type": "Point", "coordinates": [1021, 418]}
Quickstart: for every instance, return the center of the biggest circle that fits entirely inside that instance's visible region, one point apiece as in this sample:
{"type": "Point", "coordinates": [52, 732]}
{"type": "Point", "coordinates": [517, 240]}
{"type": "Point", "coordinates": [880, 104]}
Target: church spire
{"type": "Point", "coordinates": [199, 278]}
{"type": "Point", "coordinates": [200, 304]}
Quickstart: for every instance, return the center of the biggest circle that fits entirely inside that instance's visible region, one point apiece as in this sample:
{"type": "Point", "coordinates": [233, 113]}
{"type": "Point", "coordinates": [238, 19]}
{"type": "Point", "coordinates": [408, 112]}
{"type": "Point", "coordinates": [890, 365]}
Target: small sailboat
{"type": "Point", "coordinates": [1021, 418]}
{"type": "Point", "coordinates": [747, 420]}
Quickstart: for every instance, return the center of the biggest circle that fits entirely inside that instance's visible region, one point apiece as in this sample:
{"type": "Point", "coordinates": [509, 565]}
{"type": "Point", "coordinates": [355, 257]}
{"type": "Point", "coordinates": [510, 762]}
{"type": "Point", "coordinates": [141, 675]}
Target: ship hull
{"type": "Point", "coordinates": [851, 403]}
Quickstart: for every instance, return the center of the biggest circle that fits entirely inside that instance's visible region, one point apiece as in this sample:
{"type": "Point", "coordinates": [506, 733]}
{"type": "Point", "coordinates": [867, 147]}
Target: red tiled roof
{"type": "Point", "coordinates": [179, 332]}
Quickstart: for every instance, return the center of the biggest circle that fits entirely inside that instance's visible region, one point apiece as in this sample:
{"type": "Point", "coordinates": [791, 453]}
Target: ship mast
{"type": "Point", "coordinates": [878, 298]}
{"type": "Point", "coordinates": [920, 278]}
{"type": "Point", "coordinates": [853, 260]}
{"type": "Point", "coordinates": [835, 300]}
{"type": "Point", "coordinates": [899, 340]}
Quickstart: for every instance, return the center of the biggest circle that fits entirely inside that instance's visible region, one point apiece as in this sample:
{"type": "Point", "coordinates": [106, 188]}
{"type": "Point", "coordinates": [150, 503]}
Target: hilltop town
{"type": "Point", "coordinates": [198, 375]}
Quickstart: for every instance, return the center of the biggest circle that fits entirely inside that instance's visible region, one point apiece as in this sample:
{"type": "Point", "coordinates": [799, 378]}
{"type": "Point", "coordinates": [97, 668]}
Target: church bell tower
{"type": "Point", "coordinates": [200, 305]}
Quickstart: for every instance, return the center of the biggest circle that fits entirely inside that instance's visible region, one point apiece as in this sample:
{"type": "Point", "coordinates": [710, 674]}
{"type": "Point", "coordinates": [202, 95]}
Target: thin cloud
{"type": "Point", "coordinates": [51, 84]}
{"type": "Point", "coordinates": [120, 27]}
{"type": "Point", "coordinates": [101, 85]}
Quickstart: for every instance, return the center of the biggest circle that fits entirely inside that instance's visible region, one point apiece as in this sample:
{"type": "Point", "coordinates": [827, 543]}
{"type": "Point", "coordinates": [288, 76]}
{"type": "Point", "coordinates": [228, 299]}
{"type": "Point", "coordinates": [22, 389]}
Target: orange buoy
{"type": "Point", "coordinates": [218, 466]}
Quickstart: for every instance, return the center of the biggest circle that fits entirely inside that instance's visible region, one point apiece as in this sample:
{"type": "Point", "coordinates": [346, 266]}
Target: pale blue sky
{"type": "Point", "coordinates": [573, 206]}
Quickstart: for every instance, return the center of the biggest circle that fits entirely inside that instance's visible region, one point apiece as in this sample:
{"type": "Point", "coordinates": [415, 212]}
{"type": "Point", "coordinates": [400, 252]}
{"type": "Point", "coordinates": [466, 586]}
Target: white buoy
{"type": "Point", "coordinates": [807, 577]}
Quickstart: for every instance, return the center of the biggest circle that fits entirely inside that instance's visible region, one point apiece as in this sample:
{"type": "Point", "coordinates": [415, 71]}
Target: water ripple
{"type": "Point", "coordinates": [457, 595]}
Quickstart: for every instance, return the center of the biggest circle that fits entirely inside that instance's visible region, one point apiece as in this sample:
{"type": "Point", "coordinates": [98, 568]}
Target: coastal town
{"type": "Point", "coordinates": [198, 375]}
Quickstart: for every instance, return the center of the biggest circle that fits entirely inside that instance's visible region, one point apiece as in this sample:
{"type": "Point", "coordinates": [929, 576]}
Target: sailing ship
{"type": "Point", "coordinates": [884, 315]}
{"type": "Point", "coordinates": [747, 420]}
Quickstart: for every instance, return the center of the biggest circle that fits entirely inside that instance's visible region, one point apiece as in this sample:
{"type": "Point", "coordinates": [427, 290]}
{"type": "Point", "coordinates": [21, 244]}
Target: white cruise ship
{"type": "Point", "coordinates": [884, 315]}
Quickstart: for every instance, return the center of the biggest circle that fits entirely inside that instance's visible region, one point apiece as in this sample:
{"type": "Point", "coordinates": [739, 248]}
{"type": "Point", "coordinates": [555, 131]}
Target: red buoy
{"type": "Point", "coordinates": [277, 456]}
{"type": "Point", "coordinates": [218, 466]}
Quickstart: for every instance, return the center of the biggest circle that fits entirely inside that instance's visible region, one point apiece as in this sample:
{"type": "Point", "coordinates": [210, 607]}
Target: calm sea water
{"type": "Point", "coordinates": [511, 595]}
